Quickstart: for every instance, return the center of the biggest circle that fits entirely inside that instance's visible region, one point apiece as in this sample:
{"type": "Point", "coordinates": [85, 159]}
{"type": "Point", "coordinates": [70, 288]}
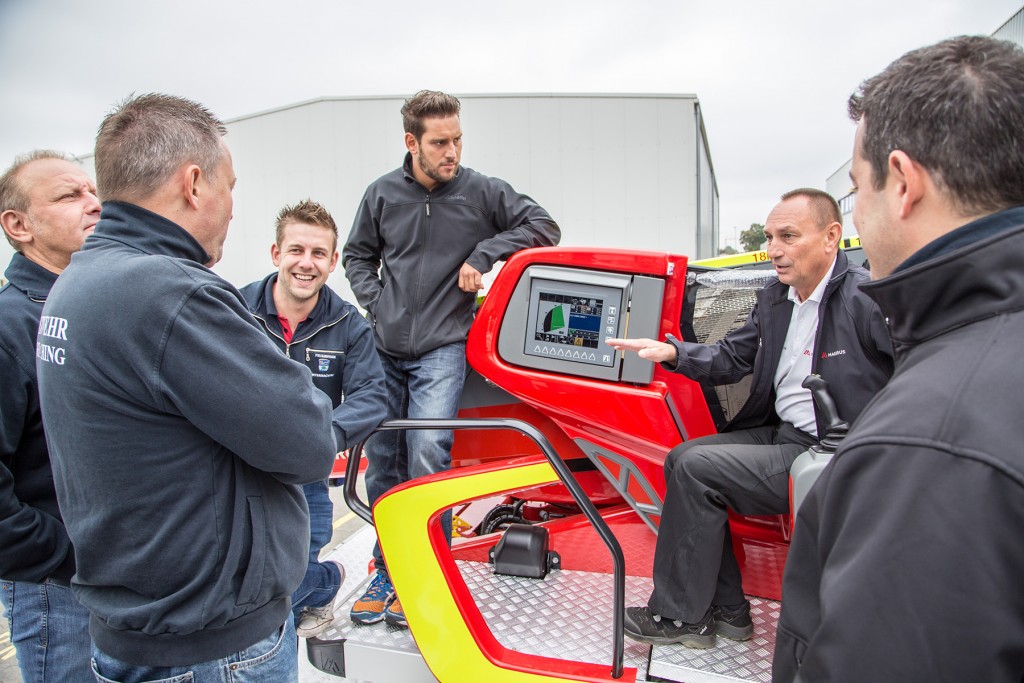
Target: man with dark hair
{"type": "Point", "coordinates": [422, 238]}
{"type": "Point", "coordinates": [47, 207]}
{"type": "Point", "coordinates": [178, 478]}
{"type": "Point", "coordinates": [813, 319]}
{"type": "Point", "coordinates": [311, 324]}
{"type": "Point", "coordinates": [906, 562]}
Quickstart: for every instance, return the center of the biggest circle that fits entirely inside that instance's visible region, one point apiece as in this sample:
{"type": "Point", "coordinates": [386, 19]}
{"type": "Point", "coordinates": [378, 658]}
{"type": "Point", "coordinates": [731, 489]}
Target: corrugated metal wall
{"type": "Point", "coordinates": [629, 171]}
{"type": "Point", "coordinates": [1013, 29]}
{"type": "Point", "coordinates": [613, 170]}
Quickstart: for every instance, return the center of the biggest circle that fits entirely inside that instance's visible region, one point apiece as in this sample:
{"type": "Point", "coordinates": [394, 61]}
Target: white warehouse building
{"type": "Point", "coordinates": [629, 171]}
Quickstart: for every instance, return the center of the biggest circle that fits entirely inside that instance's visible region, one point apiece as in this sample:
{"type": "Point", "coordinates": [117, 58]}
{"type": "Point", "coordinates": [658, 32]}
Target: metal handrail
{"type": "Point", "coordinates": [564, 474]}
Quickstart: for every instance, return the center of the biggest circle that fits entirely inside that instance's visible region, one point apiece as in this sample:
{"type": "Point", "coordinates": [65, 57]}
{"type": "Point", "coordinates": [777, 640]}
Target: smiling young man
{"type": "Point", "coordinates": [47, 208]}
{"type": "Point", "coordinates": [311, 324]}
{"type": "Point", "coordinates": [812, 319]}
{"type": "Point", "coordinates": [422, 238]}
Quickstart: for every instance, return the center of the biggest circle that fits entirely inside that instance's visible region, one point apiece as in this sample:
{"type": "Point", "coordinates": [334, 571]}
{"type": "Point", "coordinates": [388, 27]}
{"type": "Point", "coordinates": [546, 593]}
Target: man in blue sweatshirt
{"type": "Point", "coordinates": [47, 207]}
{"type": "Point", "coordinates": [311, 324]}
{"type": "Point", "coordinates": [178, 477]}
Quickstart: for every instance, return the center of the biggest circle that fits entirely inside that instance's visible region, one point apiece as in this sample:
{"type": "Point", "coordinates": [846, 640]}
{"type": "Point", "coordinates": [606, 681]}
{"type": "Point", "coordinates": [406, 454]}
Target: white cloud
{"type": "Point", "coordinates": [772, 78]}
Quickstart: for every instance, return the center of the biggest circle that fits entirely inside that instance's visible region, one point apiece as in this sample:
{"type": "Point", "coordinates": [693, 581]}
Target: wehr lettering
{"type": "Point", "coordinates": [54, 327]}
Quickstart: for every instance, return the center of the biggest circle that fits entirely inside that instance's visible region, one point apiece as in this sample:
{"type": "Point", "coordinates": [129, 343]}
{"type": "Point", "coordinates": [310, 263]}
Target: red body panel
{"type": "Point", "coordinates": [632, 420]}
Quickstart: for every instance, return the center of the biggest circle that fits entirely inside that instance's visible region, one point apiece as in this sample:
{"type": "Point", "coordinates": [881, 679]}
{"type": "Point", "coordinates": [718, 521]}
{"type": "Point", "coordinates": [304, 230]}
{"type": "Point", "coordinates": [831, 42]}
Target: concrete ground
{"type": "Point", "coordinates": [345, 524]}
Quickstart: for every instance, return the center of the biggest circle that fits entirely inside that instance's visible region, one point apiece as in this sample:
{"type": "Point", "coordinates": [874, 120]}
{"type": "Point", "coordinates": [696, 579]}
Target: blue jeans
{"type": "Point", "coordinates": [322, 579]}
{"type": "Point", "coordinates": [429, 386]}
{"type": "Point", "coordinates": [49, 631]}
{"type": "Point", "coordinates": [274, 659]}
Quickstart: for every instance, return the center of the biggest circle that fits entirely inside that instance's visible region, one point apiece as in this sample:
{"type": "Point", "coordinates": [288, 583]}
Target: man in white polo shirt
{"type": "Point", "coordinates": [812, 319]}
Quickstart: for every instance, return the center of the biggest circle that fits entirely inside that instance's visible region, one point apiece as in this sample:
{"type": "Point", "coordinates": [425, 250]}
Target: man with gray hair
{"type": "Point", "coordinates": [179, 478]}
{"type": "Point", "coordinates": [47, 207]}
{"type": "Point", "coordinates": [906, 560]}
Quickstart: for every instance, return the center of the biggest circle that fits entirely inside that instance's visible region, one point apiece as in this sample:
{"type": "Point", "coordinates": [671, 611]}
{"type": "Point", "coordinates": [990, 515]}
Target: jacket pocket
{"type": "Point", "coordinates": [789, 655]}
{"type": "Point", "coordinates": [328, 369]}
{"type": "Point", "coordinates": [249, 592]}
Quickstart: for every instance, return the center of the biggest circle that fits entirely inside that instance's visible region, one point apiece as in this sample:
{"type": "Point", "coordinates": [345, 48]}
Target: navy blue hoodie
{"type": "Point", "coordinates": [336, 344]}
{"type": "Point", "coordinates": [34, 545]}
{"type": "Point", "coordinates": [176, 464]}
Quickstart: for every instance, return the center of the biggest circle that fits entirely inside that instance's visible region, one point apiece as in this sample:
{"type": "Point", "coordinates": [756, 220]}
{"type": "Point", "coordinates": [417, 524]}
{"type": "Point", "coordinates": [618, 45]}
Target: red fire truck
{"type": "Point", "coordinates": [563, 440]}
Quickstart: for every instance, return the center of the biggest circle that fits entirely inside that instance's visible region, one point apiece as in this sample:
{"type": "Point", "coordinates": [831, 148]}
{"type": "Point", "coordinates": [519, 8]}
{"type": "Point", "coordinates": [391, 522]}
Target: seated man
{"type": "Point", "coordinates": [311, 324]}
{"type": "Point", "coordinates": [813, 319]}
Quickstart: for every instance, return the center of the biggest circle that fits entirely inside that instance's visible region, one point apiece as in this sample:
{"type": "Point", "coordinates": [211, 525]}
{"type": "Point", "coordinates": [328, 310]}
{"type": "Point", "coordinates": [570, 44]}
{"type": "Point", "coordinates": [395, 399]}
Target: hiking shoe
{"type": "Point", "coordinates": [644, 625]}
{"type": "Point", "coordinates": [370, 607]}
{"type": "Point", "coordinates": [733, 624]}
{"type": "Point", "coordinates": [395, 615]}
{"type": "Point", "coordinates": [314, 620]}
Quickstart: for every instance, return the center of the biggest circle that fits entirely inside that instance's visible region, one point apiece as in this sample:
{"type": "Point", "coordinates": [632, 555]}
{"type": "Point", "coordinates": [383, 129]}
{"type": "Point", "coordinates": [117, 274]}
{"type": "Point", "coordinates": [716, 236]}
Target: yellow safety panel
{"type": "Point", "coordinates": [402, 519]}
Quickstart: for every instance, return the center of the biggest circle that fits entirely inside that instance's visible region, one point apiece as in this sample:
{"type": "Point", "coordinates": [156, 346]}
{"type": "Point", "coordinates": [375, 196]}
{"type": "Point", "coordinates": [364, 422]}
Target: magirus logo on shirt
{"type": "Point", "coordinates": [831, 354]}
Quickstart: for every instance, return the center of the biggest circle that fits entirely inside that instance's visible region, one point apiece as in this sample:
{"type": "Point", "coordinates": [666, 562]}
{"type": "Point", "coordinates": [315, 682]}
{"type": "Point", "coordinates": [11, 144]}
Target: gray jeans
{"type": "Point", "coordinates": [748, 471]}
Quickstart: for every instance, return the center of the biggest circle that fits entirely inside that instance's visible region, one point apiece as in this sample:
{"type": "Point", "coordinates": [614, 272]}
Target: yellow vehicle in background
{"type": "Point", "coordinates": [759, 259]}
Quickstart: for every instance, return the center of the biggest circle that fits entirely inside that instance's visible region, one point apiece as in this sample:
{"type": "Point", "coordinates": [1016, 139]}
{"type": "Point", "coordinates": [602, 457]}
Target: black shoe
{"type": "Point", "coordinates": [733, 624]}
{"type": "Point", "coordinates": [644, 625]}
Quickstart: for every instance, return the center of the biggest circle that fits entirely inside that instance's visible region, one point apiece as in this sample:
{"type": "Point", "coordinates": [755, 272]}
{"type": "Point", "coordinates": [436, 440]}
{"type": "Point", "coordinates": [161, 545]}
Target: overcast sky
{"type": "Point", "coordinates": [772, 77]}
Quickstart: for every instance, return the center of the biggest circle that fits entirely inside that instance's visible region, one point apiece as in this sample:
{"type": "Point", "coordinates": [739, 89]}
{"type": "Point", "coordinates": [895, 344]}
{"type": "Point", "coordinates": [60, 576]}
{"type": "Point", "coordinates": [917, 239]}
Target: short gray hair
{"type": "Point", "coordinates": [147, 138]}
{"type": "Point", "coordinates": [13, 196]}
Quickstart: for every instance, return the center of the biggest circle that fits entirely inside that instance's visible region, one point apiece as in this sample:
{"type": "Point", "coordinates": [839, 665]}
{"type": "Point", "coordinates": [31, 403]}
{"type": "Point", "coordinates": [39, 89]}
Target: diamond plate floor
{"type": "Point", "coordinates": [568, 615]}
{"type": "Point", "coordinates": [728, 660]}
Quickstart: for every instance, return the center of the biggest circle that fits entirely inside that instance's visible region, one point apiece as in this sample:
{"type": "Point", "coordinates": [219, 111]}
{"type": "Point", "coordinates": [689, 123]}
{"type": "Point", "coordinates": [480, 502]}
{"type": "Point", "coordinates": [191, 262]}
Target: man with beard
{"type": "Point", "coordinates": [422, 239]}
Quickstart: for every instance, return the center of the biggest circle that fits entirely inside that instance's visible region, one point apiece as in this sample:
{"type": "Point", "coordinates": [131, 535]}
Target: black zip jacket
{"type": "Point", "coordinates": [907, 560]}
{"type": "Point", "coordinates": [852, 349]}
{"type": "Point", "coordinates": [34, 544]}
{"type": "Point", "coordinates": [176, 460]}
{"type": "Point", "coordinates": [336, 344]}
{"type": "Point", "coordinates": [407, 245]}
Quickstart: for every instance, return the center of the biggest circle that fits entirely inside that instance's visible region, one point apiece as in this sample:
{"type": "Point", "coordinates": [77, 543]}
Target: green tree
{"type": "Point", "coordinates": [753, 237]}
{"type": "Point", "coordinates": [727, 251]}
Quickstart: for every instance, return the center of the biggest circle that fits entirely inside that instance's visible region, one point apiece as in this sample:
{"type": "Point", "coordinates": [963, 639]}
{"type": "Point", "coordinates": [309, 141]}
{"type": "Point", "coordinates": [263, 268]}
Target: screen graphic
{"type": "Point", "coordinates": [566, 319]}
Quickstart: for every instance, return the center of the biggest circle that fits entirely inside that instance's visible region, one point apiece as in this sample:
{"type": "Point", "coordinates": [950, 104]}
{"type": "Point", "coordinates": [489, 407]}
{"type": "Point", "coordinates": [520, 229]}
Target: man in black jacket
{"type": "Point", "coordinates": [311, 324]}
{"type": "Point", "coordinates": [47, 207]}
{"type": "Point", "coordinates": [178, 473]}
{"type": "Point", "coordinates": [813, 319]}
{"type": "Point", "coordinates": [906, 561]}
{"type": "Point", "coordinates": [421, 240]}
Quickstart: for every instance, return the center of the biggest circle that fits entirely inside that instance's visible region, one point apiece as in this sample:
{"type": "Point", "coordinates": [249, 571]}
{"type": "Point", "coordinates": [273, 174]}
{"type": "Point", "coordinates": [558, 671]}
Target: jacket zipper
{"type": "Point", "coordinates": [288, 345]}
{"type": "Point", "coordinates": [334, 351]}
{"type": "Point", "coordinates": [418, 293]}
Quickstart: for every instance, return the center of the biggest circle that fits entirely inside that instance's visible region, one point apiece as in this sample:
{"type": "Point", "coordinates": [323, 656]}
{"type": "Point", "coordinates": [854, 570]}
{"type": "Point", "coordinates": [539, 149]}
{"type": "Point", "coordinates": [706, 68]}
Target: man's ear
{"type": "Point", "coordinates": [833, 233]}
{"type": "Point", "coordinates": [191, 177]}
{"type": "Point", "coordinates": [411, 143]}
{"type": "Point", "coordinates": [15, 224]}
{"type": "Point", "coordinates": [275, 254]}
{"type": "Point", "coordinates": [908, 179]}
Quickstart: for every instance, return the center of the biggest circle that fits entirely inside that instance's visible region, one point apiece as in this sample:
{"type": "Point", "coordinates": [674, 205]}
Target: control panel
{"type": "Point", "coordinates": [560, 318]}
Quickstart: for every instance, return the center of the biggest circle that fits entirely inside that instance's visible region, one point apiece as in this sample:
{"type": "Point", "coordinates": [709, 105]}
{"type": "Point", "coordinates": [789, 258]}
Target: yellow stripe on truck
{"type": "Point", "coordinates": [418, 561]}
{"type": "Point", "coordinates": [752, 257]}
